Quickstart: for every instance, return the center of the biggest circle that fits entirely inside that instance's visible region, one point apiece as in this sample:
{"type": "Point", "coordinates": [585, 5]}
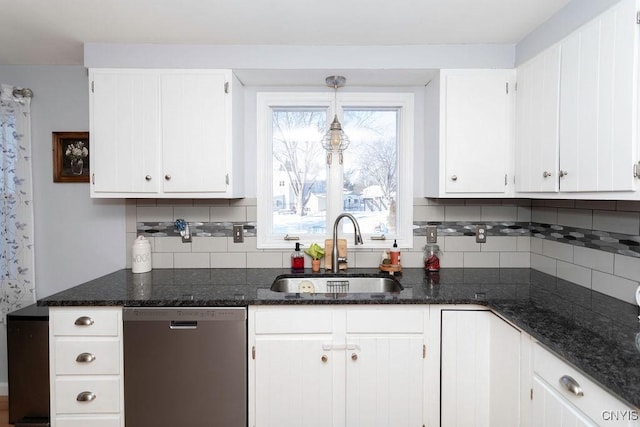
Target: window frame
{"type": "Point", "coordinates": [266, 101]}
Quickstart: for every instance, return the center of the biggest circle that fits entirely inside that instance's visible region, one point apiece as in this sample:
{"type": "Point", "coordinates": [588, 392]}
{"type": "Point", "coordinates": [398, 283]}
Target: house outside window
{"type": "Point", "coordinates": [300, 194]}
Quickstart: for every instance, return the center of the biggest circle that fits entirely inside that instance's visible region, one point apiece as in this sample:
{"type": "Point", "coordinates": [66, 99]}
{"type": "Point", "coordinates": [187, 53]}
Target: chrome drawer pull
{"type": "Point", "coordinates": [85, 358]}
{"type": "Point", "coordinates": [84, 321]}
{"type": "Point", "coordinates": [571, 385]}
{"type": "Point", "coordinates": [85, 396]}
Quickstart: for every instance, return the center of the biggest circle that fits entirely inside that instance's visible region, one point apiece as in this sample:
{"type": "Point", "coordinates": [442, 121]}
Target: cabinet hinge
{"type": "Point", "coordinates": [506, 87]}
{"type": "Point", "coordinates": [253, 352]}
{"type": "Point", "coordinates": [636, 173]}
{"type": "Point", "coordinates": [424, 351]}
{"type": "Point", "coordinates": [638, 17]}
{"type": "Point", "coordinates": [505, 179]}
{"type": "Point", "coordinates": [92, 82]}
{"type": "Point", "coordinates": [226, 179]}
{"type": "Point", "coordinates": [531, 394]}
{"type": "Point", "coordinates": [226, 87]}
{"type": "Point", "coordinates": [93, 178]}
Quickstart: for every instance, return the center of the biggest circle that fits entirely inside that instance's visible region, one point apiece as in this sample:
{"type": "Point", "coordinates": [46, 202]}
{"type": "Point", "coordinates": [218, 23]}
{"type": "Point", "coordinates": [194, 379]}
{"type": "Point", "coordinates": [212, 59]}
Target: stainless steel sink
{"type": "Point", "coordinates": [335, 284]}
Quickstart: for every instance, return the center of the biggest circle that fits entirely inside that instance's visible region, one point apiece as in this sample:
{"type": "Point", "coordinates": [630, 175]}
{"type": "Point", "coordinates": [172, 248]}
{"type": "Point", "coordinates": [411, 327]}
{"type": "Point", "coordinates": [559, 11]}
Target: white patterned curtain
{"type": "Point", "coordinates": [16, 200]}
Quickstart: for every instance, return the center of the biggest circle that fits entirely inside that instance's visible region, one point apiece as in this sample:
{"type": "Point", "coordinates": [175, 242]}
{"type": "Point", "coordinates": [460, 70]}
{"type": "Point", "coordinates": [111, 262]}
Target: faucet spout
{"type": "Point", "coordinates": [356, 234]}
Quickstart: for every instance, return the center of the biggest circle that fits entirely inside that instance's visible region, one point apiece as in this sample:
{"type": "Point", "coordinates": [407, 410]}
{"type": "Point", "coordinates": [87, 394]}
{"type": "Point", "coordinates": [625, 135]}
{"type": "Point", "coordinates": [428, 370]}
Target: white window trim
{"type": "Point", "coordinates": [268, 100]}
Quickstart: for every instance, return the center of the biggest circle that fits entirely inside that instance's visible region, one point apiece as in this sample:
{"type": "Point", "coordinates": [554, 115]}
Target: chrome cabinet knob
{"type": "Point", "coordinates": [84, 321]}
{"type": "Point", "coordinates": [563, 173]}
{"type": "Point", "coordinates": [354, 356]}
{"type": "Point", "coordinates": [148, 177]}
{"type": "Point", "coordinates": [454, 177]}
{"type": "Point", "coordinates": [85, 396]}
{"type": "Point", "coordinates": [546, 174]}
{"type": "Point", "coordinates": [324, 358]}
{"type": "Point", "coordinates": [167, 177]}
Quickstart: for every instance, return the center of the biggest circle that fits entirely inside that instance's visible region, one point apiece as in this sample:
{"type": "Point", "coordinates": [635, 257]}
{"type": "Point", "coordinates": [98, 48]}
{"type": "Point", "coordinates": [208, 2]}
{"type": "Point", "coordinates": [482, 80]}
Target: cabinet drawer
{"type": "Point", "coordinates": [594, 401]}
{"type": "Point", "coordinates": [385, 321]}
{"type": "Point", "coordinates": [86, 321]}
{"type": "Point", "coordinates": [87, 356]}
{"type": "Point", "coordinates": [106, 391]}
{"type": "Point", "coordinates": [292, 320]}
{"type": "Point", "coordinates": [97, 421]}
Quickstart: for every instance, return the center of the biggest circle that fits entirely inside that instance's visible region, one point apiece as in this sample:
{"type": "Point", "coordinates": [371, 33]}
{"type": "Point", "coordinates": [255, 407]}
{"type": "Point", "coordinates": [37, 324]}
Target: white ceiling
{"type": "Point", "coordinates": [54, 31]}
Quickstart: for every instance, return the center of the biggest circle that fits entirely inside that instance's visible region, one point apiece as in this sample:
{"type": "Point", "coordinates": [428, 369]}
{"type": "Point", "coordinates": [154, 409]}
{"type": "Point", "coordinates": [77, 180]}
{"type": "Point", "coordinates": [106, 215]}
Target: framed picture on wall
{"type": "Point", "coordinates": [70, 156]}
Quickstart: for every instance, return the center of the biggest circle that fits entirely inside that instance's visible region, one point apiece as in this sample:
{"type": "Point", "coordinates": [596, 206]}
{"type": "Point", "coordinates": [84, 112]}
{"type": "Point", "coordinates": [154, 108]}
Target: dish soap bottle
{"type": "Point", "coordinates": [394, 254]}
{"type": "Point", "coordinates": [297, 260]}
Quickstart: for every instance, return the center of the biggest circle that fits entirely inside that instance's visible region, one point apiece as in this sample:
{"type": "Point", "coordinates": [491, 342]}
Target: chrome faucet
{"type": "Point", "coordinates": [334, 250]}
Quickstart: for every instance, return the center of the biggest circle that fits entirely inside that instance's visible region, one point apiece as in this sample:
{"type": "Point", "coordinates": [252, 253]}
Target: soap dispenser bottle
{"type": "Point", "coordinates": [394, 254]}
{"type": "Point", "coordinates": [297, 260]}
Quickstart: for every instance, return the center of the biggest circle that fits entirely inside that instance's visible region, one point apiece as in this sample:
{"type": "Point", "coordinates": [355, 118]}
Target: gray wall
{"type": "Point", "coordinates": [76, 238]}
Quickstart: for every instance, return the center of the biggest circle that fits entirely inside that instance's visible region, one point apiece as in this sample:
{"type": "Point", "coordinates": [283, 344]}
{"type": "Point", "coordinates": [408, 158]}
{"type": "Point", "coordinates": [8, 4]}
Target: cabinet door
{"type": "Point", "coordinates": [550, 409]}
{"type": "Point", "coordinates": [385, 381]}
{"type": "Point", "coordinates": [196, 120]}
{"type": "Point", "coordinates": [477, 130]}
{"type": "Point", "coordinates": [597, 103]}
{"type": "Point", "coordinates": [293, 381]}
{"type": "Point", "coordinates": [124, 131]}
{"type": "Point", "coordinates": [537, 123]}
{"type": "Point", "coordinates": [480, 371]}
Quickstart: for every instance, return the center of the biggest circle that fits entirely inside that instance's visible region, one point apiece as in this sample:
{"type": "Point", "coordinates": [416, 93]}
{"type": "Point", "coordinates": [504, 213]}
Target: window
{"type": "Point", "coordinates": [300, 194]}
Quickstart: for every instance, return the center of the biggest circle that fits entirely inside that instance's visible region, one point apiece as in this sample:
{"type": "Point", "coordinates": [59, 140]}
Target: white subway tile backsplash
{"type": "Point", "coordinates": [191, 213]}
{"type": "Point", "coordinates": [428, 213]}
{"type": "Point", "coordinates": [412, 259]}
{"type": "Point", "coordinates": [130, 212]}
{"type": "Point", "coordinates": [614, 286]}
{"type": "Point", "coordinates": [249, 245]}
{"type": "Point", "coordinates": [452, 260]}
{"type": "Point", "coordinates": [461, 244]}
{"type": "Point", "coordinates": [499, 213]}
{"type": "Point", "coordinates": [191, 260]}
{"type": "Point", "coordinates": [210, 202]}
{"type": "Point", "coordinates": [544, 215]}
{"type": "Point", "coordinates": [162, 260]}
{"type": "Point", "coordinates": [536, 245]}
{"type": "Point", "coordinates": [368, 259]}
{"type": "Point", "coordinates": [617, 222]}
{"type": "Point", "coordinates": [606, 205]}
{"type": "Point", "coordinates": [557, 250]}
{"type": "Point", "coordinates": [628, 205]}
{"type": "Point", "coordinates": [209, 244]}
{"type": "Point", "coordinates": [174, 202]}
{"type": "Point", "coordinates": [146, 202]}
{"type": "Point", "coordinates": [560, 203]}
{"type": "Point", "coordinates": [228, 260]}
{"type": "Point", "coordinates": [523, 244]}
{"type": "Point", "coordinates": [462, 213]}
{"type": "Point", "coordinates": [171, 244]}
{"type": "Point", "coordinates": [544, 264]}
{"type": "Point", "coordinates": [578, 218]}
{"type": "Point", "coordinates": [524, 214]}
{"type": "Point", "coordinates": [594, 259]}
{"type": "Point", "coordinates": [481, 260]}
{"type": "Point", "coordinates": [228, 213]}
{"type": "Point", "coordinates": [574, 273]}
{"type": "Point", "coordinates": [248, 201]}
{"type": "Point", "coordinates": [154, 213]}
{"type": "Point", "coordinates": [483, 202]}
{"type": "Point", "coordinates": [500, 244]}
{"type": "Point", "coordinates": [265, 260]}
{"type": "Point", "coordinates": [626, 266]}
{"type": "Point", "coordinates": [252, 213]}
{"type": "Point", "coordinates": [515, 260]}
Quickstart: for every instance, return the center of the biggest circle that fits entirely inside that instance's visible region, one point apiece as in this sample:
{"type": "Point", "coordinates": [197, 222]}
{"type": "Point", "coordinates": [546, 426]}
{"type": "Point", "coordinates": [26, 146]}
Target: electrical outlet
{"type": "Point", "coordinates": [481, 233]}
{"type": "Point", "coordinates": [238, 234]}
{"type": "Point", "coordinates": [432, 234]}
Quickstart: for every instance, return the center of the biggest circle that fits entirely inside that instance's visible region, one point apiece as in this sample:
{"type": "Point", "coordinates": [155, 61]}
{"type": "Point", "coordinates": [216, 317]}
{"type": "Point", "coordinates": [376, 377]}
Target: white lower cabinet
{"type": "Point", "coordinates": [86, 366]}
{"type": "Point", "coordinates": [312, 366]}
{"type": "Point", "coordinates": [480, 367]}
{"type": "Point", "coordinates": [563, 396]}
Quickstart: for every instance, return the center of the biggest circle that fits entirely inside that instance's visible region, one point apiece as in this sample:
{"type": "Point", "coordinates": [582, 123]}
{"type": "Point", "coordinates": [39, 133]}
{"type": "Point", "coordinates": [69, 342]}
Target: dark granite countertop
{"type": "Point", "coordinates": [593, 332]}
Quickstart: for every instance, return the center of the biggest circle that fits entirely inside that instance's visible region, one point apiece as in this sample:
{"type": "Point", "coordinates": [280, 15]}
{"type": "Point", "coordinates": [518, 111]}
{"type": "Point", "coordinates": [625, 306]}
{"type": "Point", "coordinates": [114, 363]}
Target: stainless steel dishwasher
{"type": "Point", "coordinates": [185, 367]}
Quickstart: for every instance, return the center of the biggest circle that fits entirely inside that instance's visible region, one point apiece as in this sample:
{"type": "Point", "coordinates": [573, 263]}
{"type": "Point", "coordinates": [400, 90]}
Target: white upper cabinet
{"type": "Point", "coordinates": [538, 99]}
{"type": "Point", "coordinates": [165, 133]}
{"type": "Point", "coordinates": [469, 133]}
{"type": "Point", "coordinates": [577, 111]}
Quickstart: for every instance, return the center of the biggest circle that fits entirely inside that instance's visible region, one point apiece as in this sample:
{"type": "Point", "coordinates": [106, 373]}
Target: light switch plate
{"type": "Point", "coordinates": [432, 234]}
{"type": "Point", "coordinates": [238, 234]}
{"type": "Point", "coordinates": [481, 233]}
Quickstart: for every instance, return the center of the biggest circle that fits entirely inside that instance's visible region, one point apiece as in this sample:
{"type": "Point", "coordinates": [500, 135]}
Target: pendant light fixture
{"type": "Point", "coordinates": [335, 140]}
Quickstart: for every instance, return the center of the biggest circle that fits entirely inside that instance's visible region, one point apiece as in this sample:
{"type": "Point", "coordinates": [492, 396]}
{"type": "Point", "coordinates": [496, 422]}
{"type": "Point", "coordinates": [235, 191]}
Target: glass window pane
{"type": "Point", "coordinates": [299, 171]}
{"type": "Point", "coordinates": [370, 168]}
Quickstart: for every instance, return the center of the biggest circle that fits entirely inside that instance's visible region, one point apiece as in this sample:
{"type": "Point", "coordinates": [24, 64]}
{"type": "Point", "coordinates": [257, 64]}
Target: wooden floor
{"type": "Point", "coordinates": [4, 411]}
